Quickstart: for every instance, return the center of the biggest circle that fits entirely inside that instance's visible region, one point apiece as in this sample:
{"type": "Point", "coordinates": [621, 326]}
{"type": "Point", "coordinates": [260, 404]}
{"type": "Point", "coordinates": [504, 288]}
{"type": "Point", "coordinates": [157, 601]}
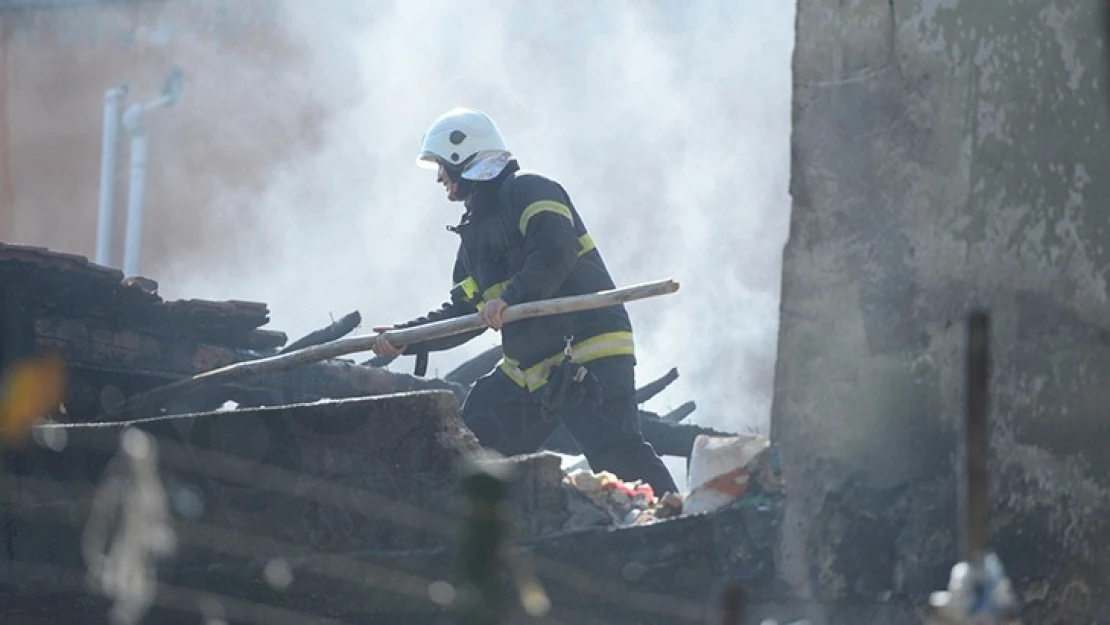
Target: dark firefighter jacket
{"type": "Point", "coordinates": [523, 240]}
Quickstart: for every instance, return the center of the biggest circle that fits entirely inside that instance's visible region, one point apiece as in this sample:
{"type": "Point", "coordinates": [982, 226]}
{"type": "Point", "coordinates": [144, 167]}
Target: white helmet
{"type": "Point", "coordinates": [468, 139]}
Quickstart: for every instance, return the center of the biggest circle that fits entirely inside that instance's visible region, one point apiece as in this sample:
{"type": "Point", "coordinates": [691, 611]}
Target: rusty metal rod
{"type": "Point", "coordinates": [976, 439]}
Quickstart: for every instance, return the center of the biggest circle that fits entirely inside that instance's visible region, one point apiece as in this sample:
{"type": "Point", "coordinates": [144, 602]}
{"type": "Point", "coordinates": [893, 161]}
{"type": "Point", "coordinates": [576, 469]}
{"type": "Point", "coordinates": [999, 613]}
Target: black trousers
{"type": "Point", "coordinates": [509, 420]}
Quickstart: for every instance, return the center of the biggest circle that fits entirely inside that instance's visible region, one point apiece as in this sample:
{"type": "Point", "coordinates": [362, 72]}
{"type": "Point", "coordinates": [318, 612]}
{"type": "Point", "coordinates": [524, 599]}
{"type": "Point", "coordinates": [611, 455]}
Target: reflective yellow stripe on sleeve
{"type": "Point", "coordinates": [492, 293]}
{"type": "Point", "coordinates": [543, 206]}
{"type": "Point", "coordinates": [469, 288]}
{"type": "Point", "coordinates": [585, 243]}
{"type": "Point", "coordinates": [593, 348]}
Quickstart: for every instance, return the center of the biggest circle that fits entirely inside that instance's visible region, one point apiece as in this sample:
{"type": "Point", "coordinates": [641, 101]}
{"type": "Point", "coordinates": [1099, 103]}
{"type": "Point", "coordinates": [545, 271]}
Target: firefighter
{"type": "Point", "coordinates": [522, 240]}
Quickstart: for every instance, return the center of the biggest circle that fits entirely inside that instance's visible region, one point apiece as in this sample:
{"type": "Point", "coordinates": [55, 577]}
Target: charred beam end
{"type": "Point", "coordinates": [264, 340]}
{"type": "Point", "coordinates": [468, 372]}
{"type": "Point", "coordinates": [673, 439]}
{"type": "Point", "coordinates": [17, 325]}
{"type": "Point", "coordinates": [651, 389]}
{"type": "Point", "coordinates": [976, 437]}
{"type": "Point", "coordinates": [336, 330]}
{"type": "Point", "coordinates": [680, 413]}
{"type": "Point", "coordinates": [668, 439]}
{"type": "Point", "coordinates": [379, 361]}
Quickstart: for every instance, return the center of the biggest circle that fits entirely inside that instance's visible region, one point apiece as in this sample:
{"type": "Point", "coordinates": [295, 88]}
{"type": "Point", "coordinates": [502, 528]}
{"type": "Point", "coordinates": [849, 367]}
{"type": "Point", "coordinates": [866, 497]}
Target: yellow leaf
{"type": "Point", "coordinates": [30, 390]}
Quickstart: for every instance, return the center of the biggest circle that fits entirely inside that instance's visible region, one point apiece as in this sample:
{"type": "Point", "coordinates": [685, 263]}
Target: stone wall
{"type": "Point", "coordinates": [947, 154]}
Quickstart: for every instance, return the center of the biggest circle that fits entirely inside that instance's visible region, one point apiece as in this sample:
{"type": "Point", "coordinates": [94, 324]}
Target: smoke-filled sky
{"type": "Point", "coordinates": [668, 123]}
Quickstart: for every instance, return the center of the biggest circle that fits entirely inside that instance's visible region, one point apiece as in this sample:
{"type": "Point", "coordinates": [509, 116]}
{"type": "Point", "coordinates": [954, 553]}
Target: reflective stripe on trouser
{"type": "Point", "coordinates": [593, 348]}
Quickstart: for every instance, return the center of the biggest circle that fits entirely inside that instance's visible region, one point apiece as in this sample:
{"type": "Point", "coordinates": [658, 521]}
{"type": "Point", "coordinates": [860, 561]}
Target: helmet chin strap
{"type": "Point", "coordinates": [461, 188]}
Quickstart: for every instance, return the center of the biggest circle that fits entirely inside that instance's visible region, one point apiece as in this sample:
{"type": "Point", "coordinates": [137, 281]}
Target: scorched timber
{"type": "Point", "coordinates": [98, 344]}
{"type": "Point", "coordinates": [653, 388]}
{"type": "Point", "coordinates": [469, 371]}
{"type": "Point", "coordinates": [364, 535]}
{"type": "Point", "coordinates": [679, 414]}
{"type": "Point", "coordinates": [668, 439]}
{"type": "Point", "coordinates": [150, 401]}
{"type": "Point", "coordinates": [337, 330]}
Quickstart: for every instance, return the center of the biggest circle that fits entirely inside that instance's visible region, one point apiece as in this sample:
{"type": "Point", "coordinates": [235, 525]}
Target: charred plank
{"type": "Point", "coordinates": [673, 439]}
{"type": "Point", "coordinates": [651, 389]}
{"type": "Point", "coordinates": [101, 344]}
{"type": "Point", "coordinates": [264, 340]}
{"type": "Point", "coordinates": [16, 325]}
{"type": "Point", "coordinates": [668, 439]}
{"type": "Point", "coordinates": [379, 361]}
{"type": "Point", "coordinates": [337, 330]}
{"type": "Point", "coordinates": [468, 372]}
{"type": "Point", "coordinates": [679, 414]}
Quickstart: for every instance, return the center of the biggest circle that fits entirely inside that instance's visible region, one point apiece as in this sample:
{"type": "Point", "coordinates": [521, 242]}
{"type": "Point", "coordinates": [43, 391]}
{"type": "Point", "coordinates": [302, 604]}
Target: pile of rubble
{"type": "Point", "coordinates": [119, 339]}
{"type": "Point", "coordinates": [330, 468]}
{"type": "Point", "coordinates": [358, 499]}
{"type": "Point", "coordinates": [723, 471]}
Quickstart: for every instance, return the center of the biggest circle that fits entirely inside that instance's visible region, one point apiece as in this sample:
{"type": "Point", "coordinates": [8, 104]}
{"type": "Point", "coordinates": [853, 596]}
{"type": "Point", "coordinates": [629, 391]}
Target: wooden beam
{"type": "Point", "coordinates": [147, 403]}
{"type": "Point", "coordinates": [17, 327]}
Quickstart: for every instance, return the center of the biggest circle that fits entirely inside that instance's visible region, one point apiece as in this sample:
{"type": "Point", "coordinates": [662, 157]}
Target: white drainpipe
{"type": "Point", "coordinates": [133, 121]}
{"type": "Point", "coordinates": [113, 99]}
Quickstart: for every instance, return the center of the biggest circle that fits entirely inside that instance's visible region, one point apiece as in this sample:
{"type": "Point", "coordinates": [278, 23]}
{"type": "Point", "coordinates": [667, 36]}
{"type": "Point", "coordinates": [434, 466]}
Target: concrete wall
{"type": "Point", "coordinates": [946, 154]}
{"type": "Point", "coordinates": [56, 63]}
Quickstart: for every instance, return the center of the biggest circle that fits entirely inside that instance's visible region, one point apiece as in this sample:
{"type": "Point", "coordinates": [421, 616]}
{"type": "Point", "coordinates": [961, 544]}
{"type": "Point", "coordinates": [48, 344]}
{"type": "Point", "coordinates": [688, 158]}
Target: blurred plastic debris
{"type": "Point", "coordinates": [50, 436]}
{"type": "Point", "coordinates": [726, 469]}
{"type": "Point", "coordinates": [441, 593]}
{"type": "Point", "coordinates": [188, 501]}
{"type": "Point", "coordinates": [604, 499]}
{"type": "Point", "coordinates": [533, 598]}
{"type": "Point", "coordinates": [278, 573]}
{"type": "Point", "coordinates": [122, 566]}
{"type": "Point", "coordinates": [723, 470]}
{"type": "Point", "coordinates": [212, 611]}
{"type": "Point", "coordinates": [978, 594]}
{"type": "Point", "coordinates": [30, 390]}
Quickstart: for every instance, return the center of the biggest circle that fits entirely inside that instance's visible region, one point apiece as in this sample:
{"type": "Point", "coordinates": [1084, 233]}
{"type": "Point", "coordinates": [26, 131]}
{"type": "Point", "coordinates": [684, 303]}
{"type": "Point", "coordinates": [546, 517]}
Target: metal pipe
{"type": "Point", "coordinates": [136, 188]}
{"type": "Point", "coordinates": [133, 121]}
{"type": "Point", "coordinates": [16, 6]}
{"type": "Point", "coordinates": [113, 98]}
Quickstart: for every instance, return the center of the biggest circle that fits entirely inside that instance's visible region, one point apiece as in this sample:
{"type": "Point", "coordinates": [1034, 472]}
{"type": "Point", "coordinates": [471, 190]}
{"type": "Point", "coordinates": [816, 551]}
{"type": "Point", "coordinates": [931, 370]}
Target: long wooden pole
{"type": "Point", "coordinates": [144, 404]}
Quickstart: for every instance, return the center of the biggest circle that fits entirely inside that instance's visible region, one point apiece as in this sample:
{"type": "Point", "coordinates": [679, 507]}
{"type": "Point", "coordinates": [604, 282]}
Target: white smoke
{"type": "Point", "coordinates": [668, 123]}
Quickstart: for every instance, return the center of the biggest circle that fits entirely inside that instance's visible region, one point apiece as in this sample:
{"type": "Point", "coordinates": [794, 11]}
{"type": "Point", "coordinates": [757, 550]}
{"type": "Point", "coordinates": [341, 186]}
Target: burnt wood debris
{"type": "Point", "coordinates": [358, 497]}
{"type": "Point", "coordinates": [124, 340]}
{"type": "Point", "coordinates": [152, 400]}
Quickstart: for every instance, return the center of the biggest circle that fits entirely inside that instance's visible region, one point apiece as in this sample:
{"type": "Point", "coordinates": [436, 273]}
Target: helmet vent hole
{"type": "Point", "coordinates": [457, 137]}
{"type": "Point", "coordinates": [455, 156]}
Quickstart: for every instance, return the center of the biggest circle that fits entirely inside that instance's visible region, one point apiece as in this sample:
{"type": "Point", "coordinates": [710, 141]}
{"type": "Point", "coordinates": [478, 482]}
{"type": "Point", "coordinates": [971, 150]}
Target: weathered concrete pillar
{"type": "Point", "coordinates": [946, 154]}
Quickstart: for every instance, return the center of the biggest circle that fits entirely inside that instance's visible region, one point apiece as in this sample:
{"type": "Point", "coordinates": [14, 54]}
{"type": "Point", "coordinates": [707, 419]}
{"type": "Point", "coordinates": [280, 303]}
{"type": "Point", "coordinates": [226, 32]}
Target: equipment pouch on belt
{"type": "Point", "coordinates": [568, 384]}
